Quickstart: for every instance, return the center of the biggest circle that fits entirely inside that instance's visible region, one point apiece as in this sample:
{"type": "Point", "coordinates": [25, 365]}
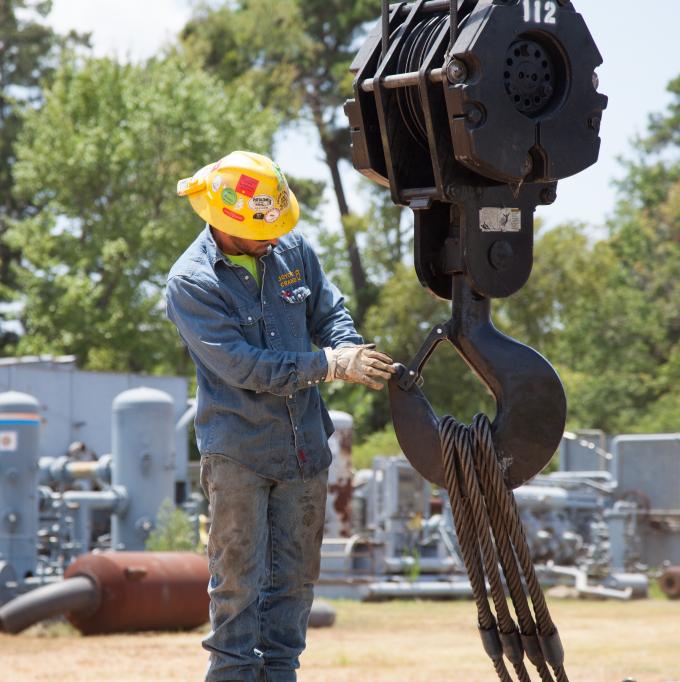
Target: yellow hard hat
{"type": "Point", "coordinates": [244, 195]}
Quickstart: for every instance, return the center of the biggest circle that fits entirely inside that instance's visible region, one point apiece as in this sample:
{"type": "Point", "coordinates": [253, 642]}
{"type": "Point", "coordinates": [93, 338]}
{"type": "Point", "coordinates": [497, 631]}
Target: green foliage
{"type": "Point", "coordinates": [292, 53]}
{"type": "Point", "coordinates": [295, 56]}
{"type": "Point", "coordinates": [28, 52]}
{"type": "Point", "coordinates": [378, 444]}
{"type": "Point", "coordinates": [173, 531]}
{"type": "Point", "coordinates": [100, 161]}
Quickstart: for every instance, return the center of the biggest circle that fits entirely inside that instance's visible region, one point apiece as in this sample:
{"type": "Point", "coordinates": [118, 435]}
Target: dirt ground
{"type": "Point", "coordinates": [389, 642]}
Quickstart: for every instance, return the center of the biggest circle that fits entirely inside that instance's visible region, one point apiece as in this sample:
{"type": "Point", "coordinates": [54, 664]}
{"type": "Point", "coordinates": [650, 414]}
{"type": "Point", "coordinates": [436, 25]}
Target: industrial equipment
{"type": "Point", "coordinates": [120, 592]}
{"type": "Point", "coordinates": [470, 111]}
{"type": "Point", "coordinates": [404, 542]}
{"type": "Point", "coordinates": [47, 529]}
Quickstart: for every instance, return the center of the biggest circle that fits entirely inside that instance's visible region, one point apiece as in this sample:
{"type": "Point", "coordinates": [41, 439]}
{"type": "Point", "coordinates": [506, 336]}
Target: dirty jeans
{"type": "Point", "coordinates": [263, 553]}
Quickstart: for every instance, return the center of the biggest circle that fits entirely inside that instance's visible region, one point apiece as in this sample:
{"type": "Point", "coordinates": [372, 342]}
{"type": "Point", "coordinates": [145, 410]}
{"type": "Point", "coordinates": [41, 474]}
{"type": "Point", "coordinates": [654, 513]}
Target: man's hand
{"type": "Point", "coordinates": [359, 365]}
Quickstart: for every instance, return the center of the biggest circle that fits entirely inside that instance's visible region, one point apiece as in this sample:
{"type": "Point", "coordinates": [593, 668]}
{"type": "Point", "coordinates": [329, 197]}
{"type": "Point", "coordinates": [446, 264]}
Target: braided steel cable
{"type": "Point", "coordinates": [469, 548]}
{"type": "Point", "coordinates": [481, 434]}
{"type": "Point", "coordinates": [490, 531]}
{"type": "Point", "coordinates": [464, 531]}
{"type": "Point", "coordinates": [507, 626]}
{"type": "Point", "coordinates": [547, 632]}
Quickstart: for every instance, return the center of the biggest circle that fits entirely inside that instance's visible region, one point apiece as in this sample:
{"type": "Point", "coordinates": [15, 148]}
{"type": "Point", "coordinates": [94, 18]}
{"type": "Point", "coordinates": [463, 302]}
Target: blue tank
{"type": "Point", "coordinates": [19, 442]}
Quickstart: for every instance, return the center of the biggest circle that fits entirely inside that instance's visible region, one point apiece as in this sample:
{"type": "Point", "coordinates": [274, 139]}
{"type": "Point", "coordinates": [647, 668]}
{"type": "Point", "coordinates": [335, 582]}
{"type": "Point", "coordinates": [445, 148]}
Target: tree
{"type": "Point", "coordinates": [607, 314]}
{"type": "Point", "coordinates": [100, 162]}
{"type": "Point", "coordinates": [631, 367]}
{"type": "Point", "coordinates": [297, 56]}
{"type": "Point", "coordinates": [28, 51]}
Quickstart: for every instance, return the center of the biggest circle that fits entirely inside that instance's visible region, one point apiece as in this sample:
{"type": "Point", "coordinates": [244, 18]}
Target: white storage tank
{"type": "Point", "coordinates": [143, 449]}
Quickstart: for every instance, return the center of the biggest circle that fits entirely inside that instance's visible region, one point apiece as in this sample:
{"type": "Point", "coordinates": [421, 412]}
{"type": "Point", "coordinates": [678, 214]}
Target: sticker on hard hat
{"type": "Point", "coordinates": [282, 200]}
{"type": "Point", "coordinates": [261, 202]}
{"type": "Point", "coordinates": [281, 180]}
{"type": "Point", "coordinates": [229, 196]}
{"type": "Point", "coordinates": [258, 216]}
{"type": "Point", "coordinates": [232, 214]}
{"type": "Point", "coordinates": [189, 186]}
{"type": "Point", "coordinates": [247, 185]}
{"type": "Point", "coordinates": [272, 216]}
{"type": "Point", "coordinates": [217, 183]}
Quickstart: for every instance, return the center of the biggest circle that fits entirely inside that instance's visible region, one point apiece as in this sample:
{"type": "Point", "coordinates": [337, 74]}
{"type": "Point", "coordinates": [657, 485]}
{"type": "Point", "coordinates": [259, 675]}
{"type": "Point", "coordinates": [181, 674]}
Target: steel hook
{"type": "Point", "coordinates": [530, 399]}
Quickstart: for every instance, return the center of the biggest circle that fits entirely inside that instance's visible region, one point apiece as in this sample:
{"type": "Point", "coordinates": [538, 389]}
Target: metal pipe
{"type": "Point", "coordinates": [427, 8]}
{"type": "Point", "coordinates": [442, 589]}
{"type": "Point", "coordinates": [64, 470]}
{"type": "Point", "coordinates": [581, 583]}
{"type": "Point", "coordinates": [425, 565]}
{"type": "Point", "coordinates": [113, 500]}
{"type": "Point", "coordinates": [403, 80]}
{"type": "Point", "coordinates": [76, 595]}
{"type": "Point", "coordinates": [187, 417]}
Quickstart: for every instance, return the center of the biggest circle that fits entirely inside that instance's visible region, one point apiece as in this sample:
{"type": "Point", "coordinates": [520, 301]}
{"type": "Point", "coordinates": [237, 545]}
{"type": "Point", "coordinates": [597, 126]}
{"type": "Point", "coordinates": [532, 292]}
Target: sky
{"type": "Point", "coordinates": [638, 41]}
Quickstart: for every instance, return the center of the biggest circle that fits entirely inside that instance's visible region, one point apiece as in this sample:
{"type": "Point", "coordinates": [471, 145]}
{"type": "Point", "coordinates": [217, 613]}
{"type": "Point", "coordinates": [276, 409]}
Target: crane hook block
{"type": "Point", "coordinates": [470, 112]}
{"type": "Point", "coordinates": [513, 100]}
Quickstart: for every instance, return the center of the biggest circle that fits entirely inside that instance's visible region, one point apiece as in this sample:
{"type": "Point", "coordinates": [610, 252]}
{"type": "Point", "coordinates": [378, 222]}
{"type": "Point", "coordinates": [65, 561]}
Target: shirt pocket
{"type": "Point", "coordinates": [294, 302]}
{"type": "Point", "coordinates": [250, 319]}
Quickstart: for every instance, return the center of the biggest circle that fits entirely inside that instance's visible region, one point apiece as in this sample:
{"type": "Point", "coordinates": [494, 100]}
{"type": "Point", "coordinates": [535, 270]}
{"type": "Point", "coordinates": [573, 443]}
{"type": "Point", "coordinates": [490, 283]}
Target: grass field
{"type": "Point", "coordinates": [389, 642]}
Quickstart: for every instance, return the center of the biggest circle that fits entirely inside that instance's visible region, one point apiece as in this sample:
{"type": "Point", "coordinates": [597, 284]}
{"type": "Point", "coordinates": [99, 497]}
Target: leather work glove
{"type": "Point", "coordinates": [359, 365]}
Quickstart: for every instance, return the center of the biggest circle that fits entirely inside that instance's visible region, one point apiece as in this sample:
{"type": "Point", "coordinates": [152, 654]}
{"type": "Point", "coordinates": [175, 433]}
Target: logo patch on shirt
{"type": "Point", "coordinates": [289, 278]}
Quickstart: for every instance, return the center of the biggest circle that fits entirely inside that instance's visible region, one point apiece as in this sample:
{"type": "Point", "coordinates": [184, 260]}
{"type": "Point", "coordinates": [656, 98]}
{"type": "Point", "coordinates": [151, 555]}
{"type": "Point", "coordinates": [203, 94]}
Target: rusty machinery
{"type": "Point", "coordinates": [470, 112]}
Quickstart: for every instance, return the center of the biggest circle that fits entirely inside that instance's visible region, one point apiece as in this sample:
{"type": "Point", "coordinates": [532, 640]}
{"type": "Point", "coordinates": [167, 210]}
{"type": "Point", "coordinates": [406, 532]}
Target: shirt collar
{"type": "Point", "coordinates": [213, 251]}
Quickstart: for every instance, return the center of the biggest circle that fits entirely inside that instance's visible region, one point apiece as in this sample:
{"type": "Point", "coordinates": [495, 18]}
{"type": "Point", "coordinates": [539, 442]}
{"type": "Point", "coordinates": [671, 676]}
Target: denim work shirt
{"type": "Point", "coordinates": [258, 400]}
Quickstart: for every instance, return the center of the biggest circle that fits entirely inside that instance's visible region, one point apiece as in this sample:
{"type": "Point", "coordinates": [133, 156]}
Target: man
{"type": "Point", "coordinates": [249, 298]}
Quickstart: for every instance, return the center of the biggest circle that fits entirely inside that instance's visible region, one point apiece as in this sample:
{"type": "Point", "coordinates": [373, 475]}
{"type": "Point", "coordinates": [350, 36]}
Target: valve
{"type": "Point", "coordinates": [470, 112]}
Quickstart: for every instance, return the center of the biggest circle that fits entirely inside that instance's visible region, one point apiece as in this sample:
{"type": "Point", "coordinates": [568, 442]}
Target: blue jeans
{"type": "Point", "coordinates": [264, 553]}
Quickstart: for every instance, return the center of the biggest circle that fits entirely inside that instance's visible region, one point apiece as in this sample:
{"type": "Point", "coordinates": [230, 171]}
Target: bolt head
{"type": "Point", "coordinates": [548, 196]}
{"type": "Point", "coordinates": [452, 192]}
{"type": "Point", "coordinates": [475, 116]}
{"type": "Point", "coordinates": [596, 80]}
{"type": "Point", "coordinates": [594, 123]}
{"type": "Point", "coordinates": [547, 90]}
{"type": "Point", "coordinates": [456, 71]}
{"type": "Point", "coordinates": [501, 255]}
